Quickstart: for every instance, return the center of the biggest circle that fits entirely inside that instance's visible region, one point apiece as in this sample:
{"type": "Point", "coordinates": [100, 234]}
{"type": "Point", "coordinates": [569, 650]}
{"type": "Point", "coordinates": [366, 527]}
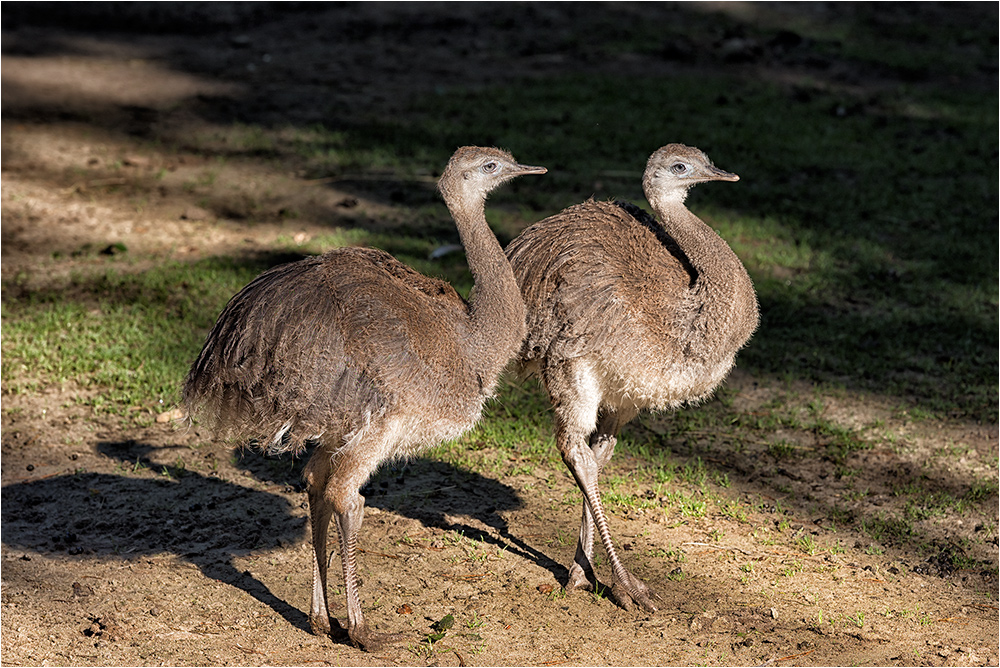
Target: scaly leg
{"type": "Point", "coordinates": [338, 496]}
{"type": "Point", "coordinates": [576, 396]}
{"type": "Point", "coordinates": [602, 443]}
{"type": "Point", "coordinates": [317, 475]}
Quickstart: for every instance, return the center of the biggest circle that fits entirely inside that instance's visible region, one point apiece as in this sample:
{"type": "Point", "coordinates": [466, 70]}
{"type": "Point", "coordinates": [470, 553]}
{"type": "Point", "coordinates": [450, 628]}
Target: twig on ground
{"type": "Point", "coordinates": [378, 554]}
{"type": "Point", "coordinates": [247, 650]}
{"type": "Point", "coordinates": [795, 656]}
{"type": "Point", "coordinates": [721, 547]}
{"type": "Point", "coordinates": [474, 576]}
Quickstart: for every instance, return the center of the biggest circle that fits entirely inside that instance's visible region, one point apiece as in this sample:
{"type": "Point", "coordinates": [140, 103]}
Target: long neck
{"type": "Point", "coordinates": [497, 311]}
{"type": "Point", "coordinates": [721, 291]}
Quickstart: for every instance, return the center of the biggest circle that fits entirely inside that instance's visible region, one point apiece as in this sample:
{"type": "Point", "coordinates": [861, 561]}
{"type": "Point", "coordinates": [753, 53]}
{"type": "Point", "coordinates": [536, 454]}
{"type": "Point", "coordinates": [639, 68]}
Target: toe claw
{"type": "Point", "coordinates": [320, 626]}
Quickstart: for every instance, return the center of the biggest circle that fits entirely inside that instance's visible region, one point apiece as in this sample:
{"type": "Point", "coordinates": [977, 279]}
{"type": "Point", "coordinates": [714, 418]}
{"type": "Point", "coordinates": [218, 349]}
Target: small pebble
{"type": "Point", "coordinates": [81, 589]}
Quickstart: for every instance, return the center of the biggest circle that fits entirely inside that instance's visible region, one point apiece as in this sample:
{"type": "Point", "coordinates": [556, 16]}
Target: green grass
{"type": "Point", "coordinates": [874, 264]}
{"type": "Point", "coordinates": [871, 262]}
{"type": "Point", "coordinates": [869, 236]}
{"type": "Point", "coordinates": [126, 335]}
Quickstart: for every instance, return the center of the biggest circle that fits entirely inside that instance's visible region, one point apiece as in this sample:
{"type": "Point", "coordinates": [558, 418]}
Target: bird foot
{"type": "Point", "coordinates": [324, 625]}
{"type": "Point", "coordinates": [579, 578]}
{"type": "Point", "coordinates": [635, 591]}
{"type": "Point", "coordinates": [375, 642]}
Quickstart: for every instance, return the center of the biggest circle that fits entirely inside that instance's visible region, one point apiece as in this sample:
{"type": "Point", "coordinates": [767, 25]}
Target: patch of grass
{"type": "Point", "coordinates": [764, 536]}
{"type": "Point", "coordinates": [782, 449]}
{"type": "Point", "coordinates": [671, 554]}
{"type": "Point", "coordinates": [838, 270]}
{"type": "Point", "coordinates": [792, 568]}
{"type": "Point", "coordinates": [475, 621]}
{"type": "Point", "coordinates": [128, 335]}
{"type": "Point", "coordinates": [980, 489]}
{"type": "Point", "coordinates": [884, 529]}
{"type": "Point", "coordinates": [884, 289]}
{"type": "Point", "coordinates": [557, 594]}
{"type": "Point", "coordinates": [686, 504]}
{"type": "Point", "coordinates": [807, 544]}
{"type": "Point", "coordinates": [855, 494]}
{"type": "Point", "coordinates": [734, 510]}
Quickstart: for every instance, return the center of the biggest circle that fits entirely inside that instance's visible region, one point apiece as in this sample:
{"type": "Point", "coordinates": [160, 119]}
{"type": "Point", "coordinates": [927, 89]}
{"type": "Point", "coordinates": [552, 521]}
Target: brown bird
{"type": "Point", "coordinates": [358, 354]}
{"type": "Point", "coordinates": [626, 313]}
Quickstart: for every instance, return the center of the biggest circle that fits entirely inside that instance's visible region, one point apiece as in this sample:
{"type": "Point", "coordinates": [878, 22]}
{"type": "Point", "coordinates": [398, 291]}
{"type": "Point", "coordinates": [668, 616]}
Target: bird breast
{"type": "Point", "coordinates": [603, 283]}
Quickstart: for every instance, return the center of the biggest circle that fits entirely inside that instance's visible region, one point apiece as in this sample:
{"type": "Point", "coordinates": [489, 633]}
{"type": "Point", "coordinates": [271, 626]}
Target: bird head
{"type": "Point", "coordinates": [474, 169]}
{"type": "Point", "coordinates": [674, 168]}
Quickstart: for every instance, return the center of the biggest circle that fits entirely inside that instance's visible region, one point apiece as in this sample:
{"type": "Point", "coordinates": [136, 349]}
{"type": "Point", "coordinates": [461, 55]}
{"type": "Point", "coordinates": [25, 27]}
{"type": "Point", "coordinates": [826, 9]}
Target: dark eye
{"type": "Point", "coordinates": [491, 167]}
{"type": "Point", "coordinates": [678, 168]}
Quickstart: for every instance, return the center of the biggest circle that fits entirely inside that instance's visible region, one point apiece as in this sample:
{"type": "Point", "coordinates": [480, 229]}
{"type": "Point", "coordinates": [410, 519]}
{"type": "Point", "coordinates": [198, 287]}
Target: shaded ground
{"type": "Point", "coordinates": [144, 545]}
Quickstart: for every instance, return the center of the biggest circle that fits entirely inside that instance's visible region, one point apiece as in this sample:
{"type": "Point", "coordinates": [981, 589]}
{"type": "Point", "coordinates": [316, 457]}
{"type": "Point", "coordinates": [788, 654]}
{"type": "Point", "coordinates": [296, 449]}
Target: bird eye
{"type": "Point", "coordinates": [678, 168]}
{"type": "Point", "coordinates": [491, 167]}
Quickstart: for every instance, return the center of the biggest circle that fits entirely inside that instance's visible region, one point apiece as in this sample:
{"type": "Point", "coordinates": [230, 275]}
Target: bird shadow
{"type": "Point", "coordinates": [147, 508]}
{"type": "Point", "coordinates": [201, 518]}
{"type": "Point", "coordinates": [437, 494]}
{"type": "Point", "coordinates": [447, 497]}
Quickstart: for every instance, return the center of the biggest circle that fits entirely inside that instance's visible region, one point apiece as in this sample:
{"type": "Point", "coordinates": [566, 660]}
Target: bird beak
{"type": "Point", "coordinates": [716, 174]}
{"type": "Point", "coordinates": [521, 170]}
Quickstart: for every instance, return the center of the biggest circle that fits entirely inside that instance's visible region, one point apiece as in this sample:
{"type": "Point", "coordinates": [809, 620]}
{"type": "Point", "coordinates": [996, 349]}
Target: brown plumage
{"type": "Point", "coordinates": [367, 359]}
{"type": "Point", "coordinates": [626, 313]}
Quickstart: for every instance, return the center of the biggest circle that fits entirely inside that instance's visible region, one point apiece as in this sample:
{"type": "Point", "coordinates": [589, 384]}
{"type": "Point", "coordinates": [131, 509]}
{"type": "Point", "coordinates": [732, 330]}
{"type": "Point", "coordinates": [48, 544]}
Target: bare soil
{"type": "Point", "coordinates": [135, 543]}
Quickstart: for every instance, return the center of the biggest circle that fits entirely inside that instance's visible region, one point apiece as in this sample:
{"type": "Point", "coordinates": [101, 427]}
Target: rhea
{"type": "Point", "coordinates": [627, 313]}
{"type": "Point", "coordinates": [360, 356]}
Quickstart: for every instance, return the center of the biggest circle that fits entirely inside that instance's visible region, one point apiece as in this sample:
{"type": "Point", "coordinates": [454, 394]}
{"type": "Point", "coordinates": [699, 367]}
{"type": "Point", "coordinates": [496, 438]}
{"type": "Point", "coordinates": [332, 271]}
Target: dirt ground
{"type": "Point", "coordinates": [138, 544]}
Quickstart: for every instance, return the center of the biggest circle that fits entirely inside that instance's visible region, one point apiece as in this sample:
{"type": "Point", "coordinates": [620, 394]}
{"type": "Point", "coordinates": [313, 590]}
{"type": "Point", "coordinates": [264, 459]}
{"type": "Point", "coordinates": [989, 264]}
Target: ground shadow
{"type": "Point", "coordinates": [209, 521]}
{"type": "Point", "coordinates": [437, 494]}
{"type": "Point", "coordinates": [445, 496]}
{"type": "Point", "coordinates": [202, 519]}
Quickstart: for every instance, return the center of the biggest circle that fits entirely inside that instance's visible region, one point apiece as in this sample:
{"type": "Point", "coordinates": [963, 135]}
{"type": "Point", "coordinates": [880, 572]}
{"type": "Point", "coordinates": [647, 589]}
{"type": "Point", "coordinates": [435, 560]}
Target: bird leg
{"type": "Point", "coordinates": [627, 589]}
{"type": "Point", "coordinates": [602, 444]}
{"type": "Point", "coordinates": [317, 475]}
{"type": "Point", "coordinates": [576, 394]}
{"type": "Point", "coordinates": [320, 512]}
{"type": "Point", "coordinates": [348, 524]}
{"type": "Point", "coordinates": [333, 495]}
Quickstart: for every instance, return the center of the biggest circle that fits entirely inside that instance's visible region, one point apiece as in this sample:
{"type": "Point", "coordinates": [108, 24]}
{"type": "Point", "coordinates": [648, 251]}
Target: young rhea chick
{"type": "Point", "coordinates": [361, 356]}
{"type": "Point", "coordinates": [626, 313]}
